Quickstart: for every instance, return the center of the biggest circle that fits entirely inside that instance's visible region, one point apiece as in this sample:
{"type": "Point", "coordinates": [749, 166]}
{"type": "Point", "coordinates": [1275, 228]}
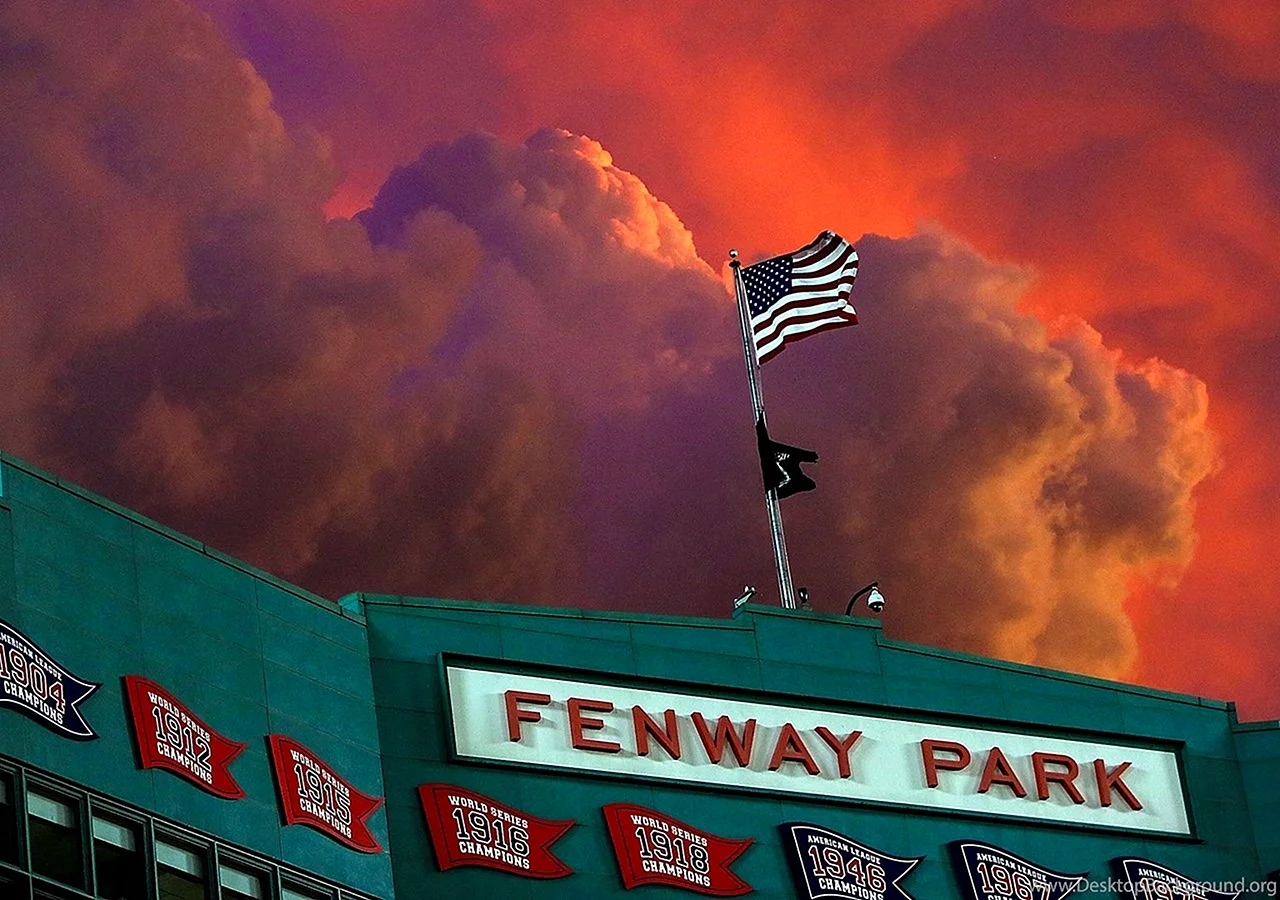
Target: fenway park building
{"type": "Point", "coordinates": [176, 724]}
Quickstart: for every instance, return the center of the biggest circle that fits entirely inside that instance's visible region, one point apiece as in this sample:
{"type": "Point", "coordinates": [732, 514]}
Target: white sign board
{"type": "Point", "coordinates": [714, 741]}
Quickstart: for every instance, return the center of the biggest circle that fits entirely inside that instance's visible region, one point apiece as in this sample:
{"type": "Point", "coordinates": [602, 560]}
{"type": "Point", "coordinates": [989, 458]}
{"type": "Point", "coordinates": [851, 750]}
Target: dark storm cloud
{"type": "Point", "coordinates": [1007, 483]}
{"type": "Point", "coordinates": [189, 335]}
{"type": "Point", "coordinates": [589, 280]}
{"type": "Point", "coordinates": [514, 378]}
{"type": "Point", "coordinates": [1004, 482]}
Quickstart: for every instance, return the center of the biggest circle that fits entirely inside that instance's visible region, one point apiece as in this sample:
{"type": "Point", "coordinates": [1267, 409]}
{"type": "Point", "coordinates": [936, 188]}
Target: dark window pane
{"type": "Point", "coordinates": [56, 849]}
{"type": "Point", "coordinates": [242, 883]}
{"type": "Point", "coordinates": [49, 892]}
{"type": "Point", "coordinates": [291, 890]}
{"type": "Point", "coordinates": [8, 820]}
{"type": "Point", "coordinates": [181, 886]}
{"type": "Point", "coordinates": [14, 885]}
{"type": "Point", "coordinates": [118, 860]}
{"type": "Point", "coordinates": [180, 872]}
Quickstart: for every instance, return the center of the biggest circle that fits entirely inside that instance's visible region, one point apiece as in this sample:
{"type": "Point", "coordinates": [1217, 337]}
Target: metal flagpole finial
{"type": "Point", "coordinates": [733, 258]}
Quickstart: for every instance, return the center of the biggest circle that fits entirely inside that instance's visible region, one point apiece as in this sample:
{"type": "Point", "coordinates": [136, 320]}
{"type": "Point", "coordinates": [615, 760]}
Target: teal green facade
{"type": "Point", "coordinates": [360, 682]}
{"type": "Point", "coordinates": [108, 594]}
{"type": "Point", "coordinates": [1230, 769]}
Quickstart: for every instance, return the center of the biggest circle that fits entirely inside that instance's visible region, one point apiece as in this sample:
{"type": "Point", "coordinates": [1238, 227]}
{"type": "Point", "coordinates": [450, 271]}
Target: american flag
{"type": "Point", "coordinates": [799, 293]}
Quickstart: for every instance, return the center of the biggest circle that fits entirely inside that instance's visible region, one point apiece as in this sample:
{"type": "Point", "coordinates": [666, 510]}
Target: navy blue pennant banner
{"type": "Point", "coordinates": [1142, 879]}
{"type": "Point", "coordinates": [992, 873]}
{"type": "Point", "coordinates": [33, 683]}
{"type": "Point", "coordinates": [827, 864]}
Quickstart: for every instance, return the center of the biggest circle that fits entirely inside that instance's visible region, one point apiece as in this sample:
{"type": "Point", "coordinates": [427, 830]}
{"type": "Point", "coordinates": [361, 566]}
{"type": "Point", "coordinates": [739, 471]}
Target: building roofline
{"type": "Point", "coordinates": [352, 606]}
{"type": "Point", "coordinates": [745, 620]}
{"type": "Point", "coordinates": [6, 500]}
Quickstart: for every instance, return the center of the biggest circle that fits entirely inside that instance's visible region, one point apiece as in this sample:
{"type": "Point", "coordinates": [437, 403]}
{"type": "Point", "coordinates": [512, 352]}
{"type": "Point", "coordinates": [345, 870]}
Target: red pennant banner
{"type": "Point", "coordinates": [170, 736]}
{"type": "Point", "coordinates": [312, 793]}
{"type": "Point", "coordinates": [653, 848]}
{"type": "Point", "coordinates": [470, 829]}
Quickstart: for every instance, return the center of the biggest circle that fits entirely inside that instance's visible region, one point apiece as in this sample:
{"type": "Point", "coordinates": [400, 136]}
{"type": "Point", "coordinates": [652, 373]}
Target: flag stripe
{"type": "Point", "coordinates": [804, 327]}
{"type": "Point", "coordinates": [826, 267]}
{"type": "Point", "coordinates": [820, 255]}
{"type": "Point", "coordinates": [800, 293]}
{"type": "Point", "coordinates": [820, 279]}
{"type": "Point", "coordinates": [795, 311]}
{"type": "Point", "coordinates": [837, 295]}
{"type": "Point", "coordinates": [811, 247]}
{"type": "Point", "coordinates": [837, 292]}
{"type": "Point", "coordinates": [818, 246]}
{"type": "Point", "coordinates": [793, 325]}
{"type": "Point", "coordinates": [826, 260]}
{"type": "Point", "coordinates": [811, 300]}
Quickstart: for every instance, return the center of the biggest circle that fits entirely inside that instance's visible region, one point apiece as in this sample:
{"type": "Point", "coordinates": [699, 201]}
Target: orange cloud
{"type": "Point", "coordinates": [1125, 154]}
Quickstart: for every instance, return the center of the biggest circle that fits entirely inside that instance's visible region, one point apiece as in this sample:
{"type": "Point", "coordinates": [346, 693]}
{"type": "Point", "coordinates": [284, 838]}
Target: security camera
{"type": "Point", "coordinates": [875, 601]}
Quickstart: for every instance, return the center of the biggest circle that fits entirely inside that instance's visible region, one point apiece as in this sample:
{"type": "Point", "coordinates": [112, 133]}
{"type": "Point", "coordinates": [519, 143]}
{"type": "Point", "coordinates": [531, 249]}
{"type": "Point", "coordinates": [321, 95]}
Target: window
{"type": "Point", "coordinates": [8, 821]}
{"type": "Point", "coordinates": [241, 883]}
{"type": "Point", "coordinates": [13, 884]}
{"type": "Point", "coordinates": [180, 871]}
{"type": "Point", "coordinates": [296, 890]}
{"type": "Point", "coordinates": [118, 862]}
{"type": "Point", "coordinates": [76, 845]}
{"type": "Point", "coordinates": [53, 892]}
{"type": "Point", "coordinates": [57, 851]}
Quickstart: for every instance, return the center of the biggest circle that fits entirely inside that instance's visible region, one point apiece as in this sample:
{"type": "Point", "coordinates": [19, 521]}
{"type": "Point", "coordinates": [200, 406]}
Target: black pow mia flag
{"type": "Point", "coordinates": [780, 464]}
{"type": "Point", "coordinates": [827, 865]}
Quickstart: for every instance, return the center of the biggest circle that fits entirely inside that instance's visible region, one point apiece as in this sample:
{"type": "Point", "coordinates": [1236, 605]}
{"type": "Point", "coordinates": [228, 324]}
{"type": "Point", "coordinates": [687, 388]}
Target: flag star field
{"type": "Point", "coordinates": [767, 282]}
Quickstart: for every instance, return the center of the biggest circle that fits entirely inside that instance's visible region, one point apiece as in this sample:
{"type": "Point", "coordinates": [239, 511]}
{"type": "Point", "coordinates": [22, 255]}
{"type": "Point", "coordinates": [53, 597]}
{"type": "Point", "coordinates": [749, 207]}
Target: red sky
{"type": "Point", "coordinates": [1070, 439]}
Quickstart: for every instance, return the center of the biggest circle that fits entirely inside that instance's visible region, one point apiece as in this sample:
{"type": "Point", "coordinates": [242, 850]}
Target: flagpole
{"type": "Point", "coordinates": [774, 509]}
